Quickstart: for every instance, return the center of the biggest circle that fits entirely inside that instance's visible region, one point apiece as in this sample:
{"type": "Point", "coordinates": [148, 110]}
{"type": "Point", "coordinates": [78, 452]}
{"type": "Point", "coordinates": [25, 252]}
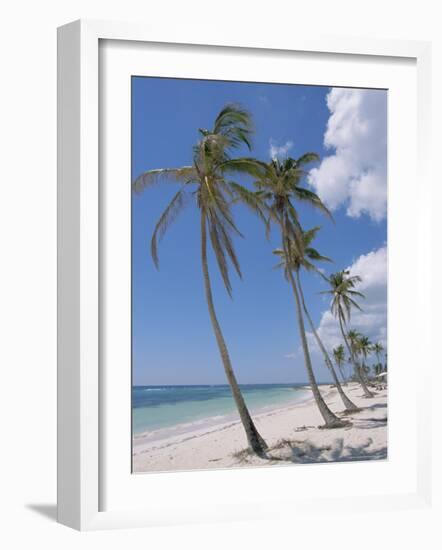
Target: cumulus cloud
{"type": "Point", "coordinates": [355, 175]}
{"type": "Point", "coordinates": [279, 151]}
{"type": "Point", "coordinates": [372, 321]}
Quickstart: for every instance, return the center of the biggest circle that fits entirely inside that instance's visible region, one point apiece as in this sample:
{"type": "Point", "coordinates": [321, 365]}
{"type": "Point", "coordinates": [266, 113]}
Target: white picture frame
{"type": "Point", "coordinates": [81, 473]}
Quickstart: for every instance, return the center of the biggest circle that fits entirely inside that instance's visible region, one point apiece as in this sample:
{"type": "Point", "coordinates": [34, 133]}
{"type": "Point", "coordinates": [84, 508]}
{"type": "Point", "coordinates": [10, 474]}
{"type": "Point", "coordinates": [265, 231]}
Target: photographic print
{"type": "Point", "coordinates": [259, 274]}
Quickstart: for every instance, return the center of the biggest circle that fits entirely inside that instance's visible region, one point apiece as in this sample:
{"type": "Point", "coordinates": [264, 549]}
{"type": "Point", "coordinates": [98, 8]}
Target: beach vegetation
{"type": "Point", "coordinates": [304, 256]}
{"type": "Point", "coordinates": [344, 296]}
{"type": "Point", "coordinates": [280, 187]}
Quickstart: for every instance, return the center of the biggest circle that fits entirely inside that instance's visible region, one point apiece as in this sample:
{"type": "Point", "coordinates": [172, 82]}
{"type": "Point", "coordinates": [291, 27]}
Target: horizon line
{"type": "Point", "coordinates": [226, 384]}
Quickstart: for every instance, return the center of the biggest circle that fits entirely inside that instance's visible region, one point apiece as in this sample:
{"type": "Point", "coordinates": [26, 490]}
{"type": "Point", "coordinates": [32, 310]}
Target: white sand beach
{"type": "Point", "coordinates": [292, 434]}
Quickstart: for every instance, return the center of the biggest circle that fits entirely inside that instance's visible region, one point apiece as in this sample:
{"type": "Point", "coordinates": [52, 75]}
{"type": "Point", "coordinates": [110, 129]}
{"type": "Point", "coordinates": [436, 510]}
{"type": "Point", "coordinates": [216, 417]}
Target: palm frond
{"type": "Point", "coordinates": [221, 210]}
{"type": "Point", "coordinates": [252, 201]}
{"type": "Point", "coordinates": [355, 293]}
{"type": "Point", "coordinates": [310, 234]}
{"type": "Point", "coordinates": [311, 198]}
{"type": "Point", "coordinates": [244, 165]}
{"type": "Point", "coordinates": [220, 256]}
{"type": "Point", "coordinates": [227, 243]}
{"type": "Point", "coordinates": [313, 254]}
{"type": "Point", "coordinates": [354, 304]}
{"type": "Point", "coordinates": [307, 158]}
{"type": "Point", "coordinates": [169, 215]}
{"type": "Point", "coordinates": [235, 124]}
{"type": "Point", "coordinates": [185, 174]}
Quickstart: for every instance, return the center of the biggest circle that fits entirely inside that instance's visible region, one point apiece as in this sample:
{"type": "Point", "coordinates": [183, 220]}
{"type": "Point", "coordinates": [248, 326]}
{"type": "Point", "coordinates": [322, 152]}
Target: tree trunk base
{"type": "Point", "coordinates": [348, 403]}
{"type": "Point", "coordinates": [369, 395]}
{"type": "Point", "coordinates": [260, 453]}
{"type": "Point", "coordinates": [257, 445]}
{"type": "Point", "coordinates": [351, 410]}
{"type": "Point", "coordinates": [334, 424]}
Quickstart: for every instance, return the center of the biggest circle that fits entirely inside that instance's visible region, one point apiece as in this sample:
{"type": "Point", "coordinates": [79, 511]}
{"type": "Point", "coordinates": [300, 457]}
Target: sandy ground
{"type": "Point", "coordinates": [292, 434]}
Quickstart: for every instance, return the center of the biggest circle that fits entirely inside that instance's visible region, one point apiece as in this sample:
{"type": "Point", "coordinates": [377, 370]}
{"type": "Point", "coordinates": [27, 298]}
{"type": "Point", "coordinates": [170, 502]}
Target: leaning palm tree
{"type": "Point", "coordinates": [279, 185]}
{"type": "Point", "coordinates": [206, 182]}
{"type": "Point", "coordinates": [305, 258]}
{"type": "Point", "coordinates": [339, 357]}
{"type": "Point", "coordinates": [344, 298]}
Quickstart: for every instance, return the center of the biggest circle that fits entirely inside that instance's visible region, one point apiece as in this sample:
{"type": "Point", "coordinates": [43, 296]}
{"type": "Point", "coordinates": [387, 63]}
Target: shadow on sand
{"type": "Point", "coordinates": [305, 452]}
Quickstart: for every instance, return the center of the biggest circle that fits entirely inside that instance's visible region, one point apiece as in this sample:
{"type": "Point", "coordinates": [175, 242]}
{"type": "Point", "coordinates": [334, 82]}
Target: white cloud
{"type": "Point", "coordinates": [355, 175]}
{"type": "Point", "coordinates": [279, 151]}
{"type": "Point", "coordinates": [372, 321]}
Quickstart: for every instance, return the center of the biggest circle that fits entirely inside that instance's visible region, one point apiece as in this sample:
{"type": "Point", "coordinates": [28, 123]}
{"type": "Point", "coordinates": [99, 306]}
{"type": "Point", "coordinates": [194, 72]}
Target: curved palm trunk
{"type": "Point", "coordinates": [356, 368]}
{"type": "Point", "coordinates": [341, 372]}
{"type": "Point", "coordinates": [348, 404]}
{"type": "Point", "coordinates": [330, 419]}
{"type": "Point", "coordinates": [255, 441]}
{"type": "Point", "coordinates": [364, 375]}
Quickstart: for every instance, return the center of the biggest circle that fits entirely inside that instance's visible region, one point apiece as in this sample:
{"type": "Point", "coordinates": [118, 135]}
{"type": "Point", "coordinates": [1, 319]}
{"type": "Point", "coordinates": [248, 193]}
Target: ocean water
{"type": "Point", "coordinates": [163, 411]}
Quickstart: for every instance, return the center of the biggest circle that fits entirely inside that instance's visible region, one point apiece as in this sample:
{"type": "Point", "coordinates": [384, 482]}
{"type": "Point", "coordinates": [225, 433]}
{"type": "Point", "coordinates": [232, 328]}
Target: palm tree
{"type": "Point", "coordinates": [339, 357]}
{"type": "Point", "coordinates": [364, 348]}
{"type": "Point", "coordinates": [342, 289]}
{"type": "Point", "coordinates": [355, 338]}
{"type": "Point", "coordinates": [377, 369]}
{"type": "Point", "coordinates": [278, 186]}
{"type": "Point", "coordinates": [378, 348]}
{"type": "Point", "coordinates": [304, 258]}
{"type": "Point", "coordinates": [205, 180]}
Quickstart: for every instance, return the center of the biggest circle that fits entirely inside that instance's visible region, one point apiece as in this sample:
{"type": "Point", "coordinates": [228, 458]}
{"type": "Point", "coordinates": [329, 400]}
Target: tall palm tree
{"type": "Point", "coordinates": [342, 286]}
{"type": "Point", "coordinates": [304, 258]}
{"type": "Point", "coordinates": [279, 186]}
{"type": "Point", "coordinates": [206, 182]}
{"type": "Point", "coordinates": [339, 357]}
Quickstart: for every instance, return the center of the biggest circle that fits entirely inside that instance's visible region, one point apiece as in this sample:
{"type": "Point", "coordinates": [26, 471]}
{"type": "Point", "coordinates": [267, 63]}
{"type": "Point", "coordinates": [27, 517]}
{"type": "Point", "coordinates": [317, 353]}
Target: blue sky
{"type": "Point", "coordinates": [172, 338]}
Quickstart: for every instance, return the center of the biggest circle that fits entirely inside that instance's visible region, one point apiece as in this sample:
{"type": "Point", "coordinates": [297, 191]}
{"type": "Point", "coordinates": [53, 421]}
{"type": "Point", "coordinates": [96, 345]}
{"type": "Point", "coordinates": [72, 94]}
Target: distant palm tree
{"type": "Point", "coordinates": [339, 357]}
{"type": "Point", "coordinates": [279, 186]}
{"type": "Point", "coordinates": [206, 182]}
{"type": "Point", "coordinates": [305, 258]}
{"type": "Point", "coordinates": [377, 369]}
{"type": "Point", "coordinates": [378, 348]}
{"type": "Point", "coordinates": [342, 290]}
{"type": "Point", "coordinates": [354, 338]}
{"type": "Point", "coordinates": [364, 348]}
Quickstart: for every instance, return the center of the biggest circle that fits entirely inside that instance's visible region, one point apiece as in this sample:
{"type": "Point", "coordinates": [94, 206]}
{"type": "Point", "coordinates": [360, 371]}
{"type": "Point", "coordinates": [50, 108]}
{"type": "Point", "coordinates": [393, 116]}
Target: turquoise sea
{"type": "Point", "coordinates": [162, 411]}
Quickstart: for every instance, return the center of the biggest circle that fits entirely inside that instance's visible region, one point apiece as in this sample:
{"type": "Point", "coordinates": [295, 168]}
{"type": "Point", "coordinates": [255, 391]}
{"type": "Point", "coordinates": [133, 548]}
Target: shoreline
{"type": "Point", "coordinates": [291, 432]}
{"type": "Point", "coordinates": [216, 421]}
